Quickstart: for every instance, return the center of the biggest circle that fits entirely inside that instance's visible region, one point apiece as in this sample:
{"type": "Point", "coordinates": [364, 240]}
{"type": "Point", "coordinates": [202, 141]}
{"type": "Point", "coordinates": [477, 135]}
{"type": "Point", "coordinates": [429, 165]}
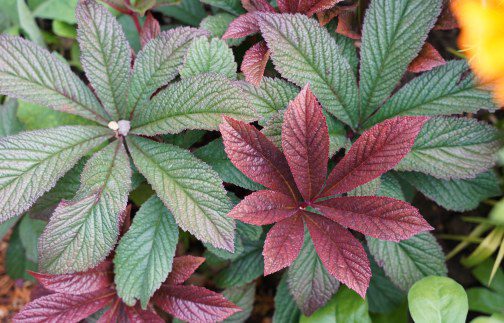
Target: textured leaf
{"type": "Point", "coordinates": [283, 243]}
{"type": "Point", "coordinates": [190, 12]}
{"type": "Point", "coordinates": [31, 73]}
{"type": "Point", "coordinates": [150, 29]}
{"type": "Point", "coordinates": [209, 56]}
{"type": "Point", "coordinates": [305, 143]}
{"type": "Point", "coordinates": [119, 312]}
{"type": "Point", "coordinates": [82, 232]}
{"type": "Point", "coordinates": [183, 268]}
{"type": "Point", "coordinates": [393, 34]}
{"type": "Point", "coordinates": [243, 297]}
{"type": "Point", "coordinates": [217, 26]}
{"type": "Point", "coordinates": [145, 253]}
{"type": "Point", "coordinates": [378, 150]}
{"type": "Point", "coordinates": [309, 282]}
{"type": "Point", "coordinates": [427, 59]}
{"type": "Point", "coordinates": [189, 188]}
{"type": "Point", "coordinates": [254, 62]}
{"type": "Point", "coordinates": [346, 46]}
{"type": "Point", "coordinates": [242, 26]}
{"type": "Point", "coordinates": [105, 56]}
{"type": "Point", "coordinates": [410, 260]}
{"type": "Point", "coordinates": [453, 148]}
{"type": "Point", "coordinates": [78, 283]}
{"type": "Point", "coordinates": [341, 253]}
{"type": "Point", "coordinates": [194, 304]}
{"type": "Point", "coordinates": [231, 6]}
{"type": "Point", "coordinates": [257, 157]}
{"type": "Point", "coordinates": [271, 96]}
{"type": "Point", "coordinates": [303, 52]}
{"type": "Point", "coordinates": [193, 103]}
{"type": "Point", "coordinates": [214, 155]}
{"type": "Point", "coordinates": [158, 63]}
{"type": "Point", "coordinates": [448, 89]}
{"type": "Point", "coordinates": [64, 307]}
{"type": "Point", "coordinates": [286, 310]}
{"type": "Point", "coordinates": [457, 194]}
{"type": "Point", "coordinates": [32, 162]}
{"type": "Point", "coordinates": [9, 123]}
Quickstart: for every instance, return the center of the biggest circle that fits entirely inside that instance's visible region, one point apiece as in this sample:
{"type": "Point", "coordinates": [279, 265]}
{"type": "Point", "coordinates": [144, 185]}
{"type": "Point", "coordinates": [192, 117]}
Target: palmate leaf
{"type": "Point", "coordinates": [197, 102]}
{"type": "Point", "coordinates": [449, 89]}
{"type": "Point", "coordinates": [158, 63]}
{"type": "Point", "coordinates": [393, 34]}
{"type": "Point", "coordinates": [189, 188]}
{"type": "Point", "coordinates": [453, 148]}
{"type": "Point", "coordinates": [32, 162]}
{"type": "Point", "coordinates": [82, 232]}
{"type": "Point", "coordinates": [105, 55]}
{"type": "Point", "coordinates": [9, 123]}
{"type": "Point", "coordinates": [303, 52]}
{"type": "Point", "coordinates": [209, 56]}
{"type": "Point", "coordinates": [31, 73]}
{"type": "Point", "coordinates": [145, 253]}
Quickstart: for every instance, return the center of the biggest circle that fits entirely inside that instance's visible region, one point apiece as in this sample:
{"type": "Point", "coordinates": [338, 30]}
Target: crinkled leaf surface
{"type": "Point", "coordinates": [303, 52]}
{"type": "Point", "coordinates": [189, 188]}
{"type": "Point", "coordinates": [197, 102]}
{"type": "Point", "coordinates": [145, 253]}
{"type": "Point", "coordinates": [453, 148]}
{"type": "Point", "coordinates": [31, 73]}
{"type": "Point", "coordinates": [393, 34]}
{"type": "Point", "coordinates": [254, 62]}
{"type": "Point", "coordinates": [410, 260]}
{"type": "Point", "coordinates": [9, 123]}
{"type": "Point", "coordinates": [32, 162]}
{"type": "Point", "coordinates": [82, 232]}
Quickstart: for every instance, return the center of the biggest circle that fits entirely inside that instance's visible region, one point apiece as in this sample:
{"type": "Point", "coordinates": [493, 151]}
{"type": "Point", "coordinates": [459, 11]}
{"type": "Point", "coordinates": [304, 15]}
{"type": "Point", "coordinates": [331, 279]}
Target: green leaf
{"type": "Point", "coordinates": [437, 299]}
{"type": "Point", "coordinates": [105, 56]}
{"type": "Point", "coordinates": [457, 194]}
{"type": "Point", "coordinates": [82, 232]}
{"type": "Point", "coordinates": [485, 300]}
{"type": "Point", "coordinates": [29, 232]}
{"type": "Point", "coordinates": [7, 225]}
{"type": "Point", "coordinates": [209, 56]}
{"type": "Point", "coordinates": [145, 253]}
{"type": "Point", "coordinates": [392, 36]}
{"type": "Point", "coordinates": [35, 116]}
{"type": "Point", "coordinates": [286, 310]}
{"type": "Point", "coordinates": [243, 297]}
{"type": "Point", "coordinates": [303, 52]}
{"type": "Point", "coordinates": [217, 26]}
{"type": "Point", "coordinates": [32, 162]}
{"type": "Point", "coordinates": [495, 318]}
{"type": "Point", "coordinates": [63, 10]}
{"type": "Point", "coordinates": [271, 96]}
{"type": "Point", "coordinates": [63, 29]}
{"type": "Point", "coordinates": [9, 123]}
{"type": "Point", "coordinates": [193, 103]}
{"type": "Point", "coordinates": [44, 79]}
{"type": "Point", "coordinates": [448, 89]}
{"type": "Point", "coordinates": [232, 6]}
{"type": "Point", "coordinates": [326, 314]}
{"type": "Point", "coordinates": [346, 45]}
{"type": "Point", "coordinates": [158, 63]}
{"type": "Point", "coordinates": [185, 139]}
{"type": "Point", "coordinates": [28, 24]}
{"type": "Point", "coordinates": [189, 188]}
{"type": "Point", "coordinates": [449, 148]}
{"type": "Point", "coordinates": [214, 155]}
{"type": "Point", "coordinates": [482, 273]}
{"type": "Point", "coordinates": [395, 187]}
{"type": "Point", "coordinates": [16, 263]}
{"type": "Point", "coordinates": [309, 282]}
{"type": "Point", "coordinates": [189, 12]}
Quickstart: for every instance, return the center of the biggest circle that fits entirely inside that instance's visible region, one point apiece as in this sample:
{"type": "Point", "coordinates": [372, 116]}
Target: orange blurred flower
{"type": "Point", "coordinates": [482, 40]}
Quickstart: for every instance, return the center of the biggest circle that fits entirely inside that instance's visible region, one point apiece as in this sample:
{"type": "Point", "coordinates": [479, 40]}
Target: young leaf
{"type": "Point", "coordinates": [286, 310]}
{"type": "Point", "coordinates": [93, 216]}
{"type": "Point", "coordinates": [105, 56]}
{"type": "Point", "coordinates": [189, 188]}
{"type": "Point", "coordinates": [453, 148]}
{"type": "Point", "coordinates": [32, 162]}
{"type": "Point", "coordinates": [145, 253]}
{"type": "Point", "coordinates": [377, 151]}
{"type": "Point", "coordinates": [209, 56]}
{"type": "Point", "coordinates": [410, 260]}
{"type": "Point", "coordinates": [197, 102]}
{"type": "Point", "coordinates": [392, 36]}
{"type": "Point", "coordinates": [254, 62]}
{"type": "Point", "coordinates": [309, 282]}
{"type": "Point", "coordinates": [158, 63]}
{"type": "Point", "coordinates": [150, 29]}
{"type": "Point", "coordinates": [242, 26]}
{"type": "Point", "coordinates": [449, 89]}
{"type": "Point", "coordinates": [304, 52]}
{"type": "Point", "coordinates": [9, 123]}
{"type": "Point", "coordinates": [31, 73]}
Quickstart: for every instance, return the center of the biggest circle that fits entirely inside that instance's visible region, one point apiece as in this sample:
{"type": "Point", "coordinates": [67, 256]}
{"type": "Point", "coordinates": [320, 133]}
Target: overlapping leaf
{"type": "Point", "coordinates": [9, 123]}
{"type": "Point", "coordinates": [286, 309]}
{"type": "Point", "coordinates": [243, 297]}
{"type": "Point", "coordinates": [254, 62]}
{"type": "Point", "coordinates": [217, 26]}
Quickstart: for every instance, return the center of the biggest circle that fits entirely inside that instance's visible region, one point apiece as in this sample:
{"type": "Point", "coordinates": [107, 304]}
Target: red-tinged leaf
{"type": "Point", "coordinates": [194, 304]}
{"type": "Point", "coordinates": [383, 218]}
{"type": "Point", "coordinates": [39, 291]}
{"type": "Point", "coordinates": [137, 315]}
{"type": "Point", "coordinates": [347, 25]}
{"type": "Point", "coordinates": [341, 253]}
{"type": "Point", "coordinates": [121, 313]}
{"type": "Point", "coordinates": [78, 283]}
{"type": "Point", "coordinates": [257, 157]}
{"type": "Point", "coordinates": [257, 5]}
{"type": "Point", "coordinates": [446, 20]}
{"type": "Point", "coordinates": [242, 26]}
{"type": "Point", "coordinates": [264, 207]}
{"type": "Point", "coordinates": [324, 17]}
{"type": "Point", "coordinates": [150, 29]}
{"type": "Point", "coordinates": [283, 243]}
{"type": "Point", "coordinates": [254, 62]}
{"type": "Point", "coordinates": [305, 142]}
{"type": "Point", "coordinates": [294, 6]}
{"type": "Point", "coordinates": [182, 268]}
{"type": "Point", "coordinates": [377, 151]}
{"type": "Point", "coordinates": [115, 314]}
{"type": "Point", "coordinates": [64, 307]}
{"type": "Point", "coordinates": [427, 59]}
{"type": "Point", "coordinates": [322, 5]}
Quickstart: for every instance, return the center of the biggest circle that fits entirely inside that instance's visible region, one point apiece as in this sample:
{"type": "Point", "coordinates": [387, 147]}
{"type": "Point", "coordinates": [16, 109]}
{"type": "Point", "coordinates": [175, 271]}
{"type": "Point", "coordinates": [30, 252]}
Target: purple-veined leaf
{"type": "Point", "coordinates": [254, 62]}
{"type": "Point", "coordinates": [257, 5]}
{"type": "Point", "coordinates": [242, 26]}
{"type": "Point", "coordinates": [183, 268]}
